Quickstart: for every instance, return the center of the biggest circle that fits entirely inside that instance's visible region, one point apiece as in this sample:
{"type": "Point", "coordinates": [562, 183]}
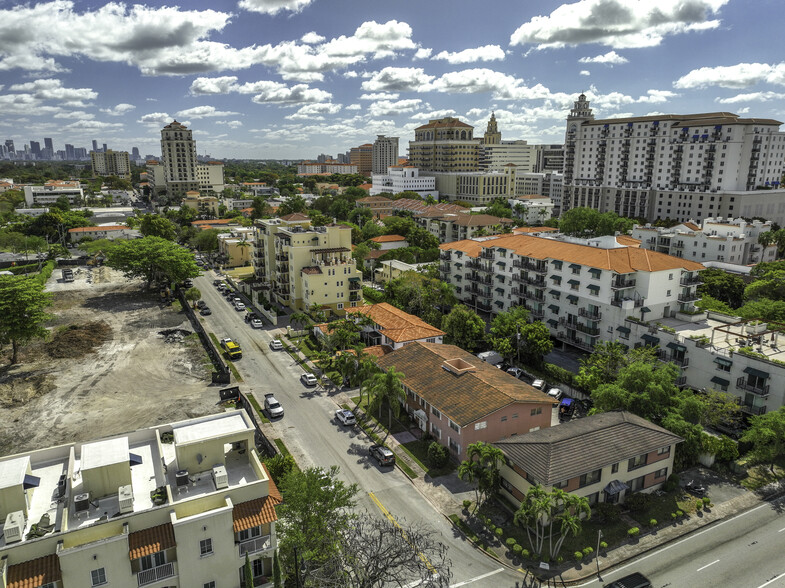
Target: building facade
{"type": "Point", "coordinates": [204, 205]}
{"type": "Point", "coordinates": [399, 179]}
{"type": "Point", "coordinates": [236, 247]}
{"type": "Point", "coordinates": [141, 509]}
{"type": "Point", "coordinates": [384, 154]}
{"type": "Point", "coordinates": [445, 145]}
{"type": "Point", "coordinates": [362, 157]}
{"type": "Point", "coordinates": [450, 226]}
{"type": "Point", "coordinates": [548, 158]}
{"type": "Point", "coordinates": [549, 184]}
{"type": "Point", "coordinates": [111, 163]}
{"type": "Point", "coordinates": [533, 209]}
{"type": "Point", "coordinates": [309, 167]}
{"type": "Point", "coordinates": [496, 153]}
{"type": "Point", "coordinates": [178, 159]}
{"type": "Point", "coordinates": [476, 188]}
{"type": "Point", "coordinates": [51, 191]}
{"type": "Point", "coordinates": [211, 177]}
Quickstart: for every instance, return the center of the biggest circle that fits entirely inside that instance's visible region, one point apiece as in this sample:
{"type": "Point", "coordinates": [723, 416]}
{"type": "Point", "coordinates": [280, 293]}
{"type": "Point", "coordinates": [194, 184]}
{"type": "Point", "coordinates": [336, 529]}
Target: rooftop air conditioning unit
{"type": "Point", "coordinates": [181, 478]}
{"type": "Point", "coordinates": [82, 502]}
{"type": "Point", "coordinates": [125, 496]}
{"type": "Point", "coordinates": [220, 478]}
{"type": "Point", "coordinates": [14, 526]}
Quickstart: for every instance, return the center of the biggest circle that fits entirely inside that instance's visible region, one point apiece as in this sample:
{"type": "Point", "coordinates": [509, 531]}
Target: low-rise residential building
{"type": "Point", "coordinates": [391, 269]}
{"type": "Point", "coordinates": [449, 227]}
{"type": "Point", "coordinates": [729, 240]}
{"type": "Point", "coordinates": [204, 205]}
{"type": "Point", "coordinates": [178, 504]}
{"type": "Point", "coordinates": [604, 457]}
{"type": "Point", "coordinates": [218, 223]}
{"type": "Point", "coordinates": [110, 232]}
{"type": "Point", "coordinates": [51, 191]}
{"type": "Point", "coordinates": [305, 266]}
{"type": "Point", "coordinates": [236, 247]}
{"type": "Point", "coordinates": [259, 189]}
{"type": "Point", "coordinates": [460, 399]}
{"type": "Point", "coordinates": [533, 209]}
{"type": "Point", "coordinates": [393, 327]}
{"type": "Point", "coordinates": [404, 179]}
{"type": "Point", "coordinates": [387, 242]}
{"type": "Point", "coordinates": [311, 167]}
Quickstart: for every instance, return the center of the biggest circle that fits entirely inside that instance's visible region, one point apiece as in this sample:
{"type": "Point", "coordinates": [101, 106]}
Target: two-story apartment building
{"type": "Point", "coordinates": [304, 265]}
{"type": "Point", "coordinates": [393, 327]}
{"type": "Point", "coordinates": [179, 504]}
{"type": "Point", "coordinates": [51, 191]}
{"type": "Point", "coordinates": [604, 457]}
{"type": "Point", "coordinates": [450, 226]}
{"type": "Point", "coordinates": [581, 289]}
{"type": "Point", "coordinates": [533, 209]}
{"type": "Point", "coordinates": [460, 399]}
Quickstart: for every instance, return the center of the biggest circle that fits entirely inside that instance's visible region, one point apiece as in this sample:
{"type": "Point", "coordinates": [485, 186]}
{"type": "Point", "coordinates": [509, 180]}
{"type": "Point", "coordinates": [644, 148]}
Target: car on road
{"type": "Point", "coordinates": [238, 306]}
{"type": "Point", "coordinates": [272, 408]}
{"type": "Point", "coordinates": [382, 454]}
{"type": "Point", "coordinates": [635, 580]}
{"type": "Point", "coordinates": [567, 408]}
{"type": "Point", "coordinates": [276, 345]}
{"type": "Point", "coordinates": [232, 348]}
{"type": "Point", "coordinates": [205, 311]}
{"type": "Point", "coordinates": [555, 393]}
{"type": "Point", "coordinates": [201, 304]}
{"type": "Point", "coordinates": [346, 417]}
{"type": "Point", "coordinates": [256, 322]}
{"type": "Point", "coordinates": [309, 379]}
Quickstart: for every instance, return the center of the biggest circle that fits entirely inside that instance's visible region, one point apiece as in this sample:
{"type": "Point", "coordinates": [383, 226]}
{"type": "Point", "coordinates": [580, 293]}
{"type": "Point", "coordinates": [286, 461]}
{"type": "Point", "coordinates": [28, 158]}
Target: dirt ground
{"type": "Point", "coordinates": [135, 378]}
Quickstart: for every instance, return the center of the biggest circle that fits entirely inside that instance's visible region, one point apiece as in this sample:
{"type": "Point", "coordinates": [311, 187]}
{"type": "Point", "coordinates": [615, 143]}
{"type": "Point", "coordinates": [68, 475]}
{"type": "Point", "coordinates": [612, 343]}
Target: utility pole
{"type": "Point", "coordinates": [599, 536]}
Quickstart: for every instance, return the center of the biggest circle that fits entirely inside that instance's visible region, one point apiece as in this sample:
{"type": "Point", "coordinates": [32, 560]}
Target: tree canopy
{"type": "Point", "coordinates": [429, 298]}
{"type": "Point", "coordinates": [153, 259]}
{"type": "Point", "coordinates": [153, 225]}
{"type": "Point", "coordinates": [464, 327]}
{"type": "Point", "coordinates": [589, 222]}
{"type": "Point", "coordinates": [722, 286]}
{"type": "Point", "coordinates": [513, 334]}
{"type": "Point", "coordinates": [23, 304]}
{"type": "Point", "coordinates": [767, 435]}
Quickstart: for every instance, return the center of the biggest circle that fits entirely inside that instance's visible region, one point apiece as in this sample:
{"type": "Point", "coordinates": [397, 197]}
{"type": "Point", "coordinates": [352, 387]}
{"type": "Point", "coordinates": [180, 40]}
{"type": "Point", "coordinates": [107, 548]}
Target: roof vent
{"type": "Point", "coordinates": [457, 366]}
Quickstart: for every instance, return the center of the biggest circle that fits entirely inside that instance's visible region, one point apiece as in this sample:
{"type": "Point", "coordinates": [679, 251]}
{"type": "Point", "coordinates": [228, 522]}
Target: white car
{"type": "Point", "coordinates": [256, 323]}
{"type": "Point", "coordinates": [309, 379]}
{"type": "Point", "coordinates": [346, 417]}
{"type": "Point", "coordinates": [238, 306]}
{"type": "Point", "coordinates": [555, 393]}
{"type": "Point", "coordinates": [276, 345]}
{"type": "Point", "coordinates": [539, 384]}
{"type": "Point", "coordinates": [272, 407]}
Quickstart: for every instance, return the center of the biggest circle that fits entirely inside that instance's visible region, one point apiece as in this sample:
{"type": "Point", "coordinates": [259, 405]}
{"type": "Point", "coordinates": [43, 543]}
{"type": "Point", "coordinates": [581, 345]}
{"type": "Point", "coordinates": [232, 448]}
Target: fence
{"type": "Point", "coordinates": [221, 375]}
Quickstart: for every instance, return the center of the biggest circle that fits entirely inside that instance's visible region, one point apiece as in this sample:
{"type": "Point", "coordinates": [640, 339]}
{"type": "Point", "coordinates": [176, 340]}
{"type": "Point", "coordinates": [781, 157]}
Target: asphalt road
{"type": "Point", "coordinates": [315, 438]}
{"type": "Point", "coordinates": [745, 550]}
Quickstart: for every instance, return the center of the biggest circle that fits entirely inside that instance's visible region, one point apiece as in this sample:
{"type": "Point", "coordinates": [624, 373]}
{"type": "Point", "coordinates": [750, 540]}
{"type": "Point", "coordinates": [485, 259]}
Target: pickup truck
{"type": "Point", "coordinates": [272, 407]}
{"type": "Point", "coordinates": [232, 349]}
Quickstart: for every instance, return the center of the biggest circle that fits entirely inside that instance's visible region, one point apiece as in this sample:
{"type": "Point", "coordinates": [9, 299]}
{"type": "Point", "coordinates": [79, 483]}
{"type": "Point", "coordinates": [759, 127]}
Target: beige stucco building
{"type": "Point", "coordinates": [111, 163]}
{"type": "Point", "coordinates": [174, 505]}
{"type": "Point", "coordinates": [237, 247]}
{"type": "Point", "coordinates": [204, 205]}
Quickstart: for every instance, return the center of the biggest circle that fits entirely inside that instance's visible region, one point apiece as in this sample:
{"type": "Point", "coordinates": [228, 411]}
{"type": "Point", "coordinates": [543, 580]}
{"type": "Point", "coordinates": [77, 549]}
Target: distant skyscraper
{"type": "Point", "coordinates": [178, 152]}
{"type": "Point", "coordinates": [48, 144]}
{"type": "Point", "coordinates": [69, 152]}
{"type": "Point", "coordinates": [35, 149]}
{"type": "Point", "coordinates": [361, 157]}
{"type": "Point", "coordinates": [95, 145]}
{"type": "Point", "coordinates": [9, 145]}
{"type": "Point", "coordinates": [80, 153]}
{"type": "Point", "coordinates": [385, 154]}
{"type": "Point", "coordinates": [135, 153]}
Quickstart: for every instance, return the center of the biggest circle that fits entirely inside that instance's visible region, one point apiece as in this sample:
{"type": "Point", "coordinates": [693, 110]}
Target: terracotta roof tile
{"type": "Point", "coordinates": [388, 238]}
{"type": "Point", "coordinates": [524, 230]}
{"type": "Point", "coordinates": [378, 350]}
{"type": "Point", "coordinates": [444, 122]}
{"type": "Point", "coordinates": [150, 540]}
{"type": "Point", "coordinates": [628, 241]}
{"type": "Point", "coordinates": [691, 226]}
{"type": "Point", "coordinates": [104, 228]}
{"type": "Point", "coordinates": [397, 325]}
{"type": "Point", "coordinates": [258, 511]}
{"type": "Point", "coordinates": [295, 216]}
{"type": "Point", "coordinates": [314, 270]}
{"type": "Point", "coordinates": [35, 572]}
{"type": "Point", "coordinates": [469, 246]}
{"type": "Point", "coordinates": [374, 199]}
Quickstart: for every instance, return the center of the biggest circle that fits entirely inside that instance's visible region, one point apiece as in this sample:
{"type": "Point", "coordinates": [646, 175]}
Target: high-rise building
{"type": "Point", "coordinates": [445, 145]}
{"type": "Point", "coordinates": [384, 154]}
{"type": "Point", "coordinates": [48, 144]}
{"type": "Point", "coordinates": [178, 154]}
{"type": "Point", "coordinates": [135, 154]}
{"type": "Point", "coordinates": [496, 154]}
{"type": "Point", "coordinates": [69, 152]}
{"type": "Point", "coordinates": [549, 158]}
{"type": "Point", "coordinates": [362, 157]}
{"type": "Point", "coordinates": [492, 134]}
{"type": "Point", "coordinates": [9, 145]}
{"type": "Point", "coordinates": [111, 163]}
{"type": "Point", "coordinates": [689, 166]}
{"type": "Point", "coordinates": [95, 145]}
{"type": "Point", "coordinates": [35, 149]}
{"type": "Point", "coordinates": [104, 148]}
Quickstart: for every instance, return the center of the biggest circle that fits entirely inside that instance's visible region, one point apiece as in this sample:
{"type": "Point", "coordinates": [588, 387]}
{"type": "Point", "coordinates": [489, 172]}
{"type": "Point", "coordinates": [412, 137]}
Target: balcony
{"type": "Point", "coordinates": [540, 268]}
{"type": "Point", "coordinates": [690, 280]}
{"type": "Point", "coordinates": [756, 388]}
{"type": "Point", "coordinates": [482, 306]}
{"type": "Point", "coordinates": [751, 409]}
{"type": "Point", "coordinates": [682, 362]}
{"type": "Point", "coordinates": [444, 268]}
{"type": "Point", "coordinates": [621, 283]}
{"type": "Point", "coordinates": [355, 286]}
{"type": "Point", "coordinates": [255, 545]}
{"type": "Point", "coordinates": [592, 315]}
{"type": "Point", "coordinates": [156, 574]}
{"type": "Point", "coordinates": [354, 297]}
{"type": "Point", "coordinates": [444, 256]}
{"type": "Point", "coordinates": [535, 312]}
{"type": "Point", "coordinates": [487, 254]}
{"type": "Point", "coordinates": [689, 297]}
{"type": "Point", "coordinates": [537, 282]}
{"type": "Point", "coordinates": [618, 302]}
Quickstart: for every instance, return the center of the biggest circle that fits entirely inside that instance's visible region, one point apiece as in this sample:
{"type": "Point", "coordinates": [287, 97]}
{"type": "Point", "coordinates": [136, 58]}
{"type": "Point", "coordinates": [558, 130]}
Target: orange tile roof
{"type": "Point", "coordinates": [150, 540]}
{"type": "Point", "coordinates": [397, 325]}
{"type": "Point", "coordinates": [374, 199]}
{"type": "Point", "coordinates": [258, 511]}
{"type": "Point", "coordinates": [531, 197]}
{"type": "Point", "coordinates": [295, 216]}
{"type": "Point", "coordinates": [378, 350]}
{"type": "Point", "coordinates": [469, 246]}
{"type": "Point", "coordinates": [312, 270]}
{"type": "Point", "coordinates": [35, 572]}
{"type": "Point", "coordinates": [388, 238]}
{"type": "Point", "coordinates": [219, 221]}
{"type": "Point", "coordinates": [375, 254]}
{"type": "Point", "coordinates": [104, 228]}
{"type": "Point", "coordinates": [444, 122]}
{"type": "Point", "coordinates": [691, 226]}
{"type": "Point", "coordinates": [628, 241]}
{"type": "Point", "coordinates": [365, 186]}
{"type": "Point", "coordinates": [524, 230]}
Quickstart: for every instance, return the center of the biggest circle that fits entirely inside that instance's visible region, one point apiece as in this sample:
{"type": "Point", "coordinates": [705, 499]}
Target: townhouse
{"type": "Point", "coordinates": [392, 326]}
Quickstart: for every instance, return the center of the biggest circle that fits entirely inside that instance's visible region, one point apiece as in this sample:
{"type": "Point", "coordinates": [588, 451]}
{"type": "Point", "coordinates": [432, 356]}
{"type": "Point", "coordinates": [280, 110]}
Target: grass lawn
{"type": "Point", "coordinates": [399, 425]}
{"type": "Point", "coordinates": [306, 345]}
{"type": "Point", "coordinates": [759, 476]}
{"type": "Point", "coordinates": [419, 451]}
{"type": "Point", "coordinates": [255, 403]}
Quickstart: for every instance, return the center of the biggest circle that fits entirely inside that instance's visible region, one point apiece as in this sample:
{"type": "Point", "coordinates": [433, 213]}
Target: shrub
{"type": "Point", "coordinates": [638, 502]}
{"type": "Point", "coordinates": [437, 455]}
{"type": "Point", "coordinates": [679, 513]}
{"type": "Point", "coordinates": [706, 500]}
{"type": "Point", "coordinates": [603, 511]}
{"type": "Point", "coordinates": [653, 523]}
{"type": "Point", "coordinates": [511, 542]}
{"type": "Point", "coordinates": [674, 516]}
{"type": "Point", "coordinates": [671, 483]}
{"type": "Point", "coordinates": [524, 552]}
{"type": "Point", "coordinates": [517, 549]}
{"type": "Point", "coordinates": [492, 528]}
{"type": "Point", "coordinates": [603, 545]}
{"type": "Point", "coordinates": [466, 504]}
{"type": "Point", "coordinates": [499, 531]}
{"type": "Point", "coordinates": [578, 556]}
{"type": "Point", "coordinates": [633, 531]}
{"type": "Point", "coordinates": [587, 551]}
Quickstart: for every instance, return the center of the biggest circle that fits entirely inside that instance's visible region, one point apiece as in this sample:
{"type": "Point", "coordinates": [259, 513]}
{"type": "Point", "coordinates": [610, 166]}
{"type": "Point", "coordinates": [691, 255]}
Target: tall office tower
{"type": "Point", "coordinates": [9, 145]}
{"type": "Point", "coordinates": [385, 154]}
{"type": "Point", "coordinates": [69, 152]}
{"type": "Point", "coordinates": [178, 154]}
{"type": "Point", "coordinates": [678, 166]}
{"type": "Point", "coordinates": [549, 158]}
{"type": "Point", "coordinates": [104, 148]}
{"type": "Point", "coordinates": [111, 163]}
{"type": "Point", "coordinates": [48, 144]}
{"type": "Point", "coordinates": [445, 145]}
{"type": "Point", "coordinates": [95, 145]}
{"type": "Point", "coordinates": [362, 157]}
{"type": "Point", "coordinates": [35, 149]}
{"type": "Point", "coordinates": [135, 154]}
{"type": "Point", "coordinates": [80, 153]}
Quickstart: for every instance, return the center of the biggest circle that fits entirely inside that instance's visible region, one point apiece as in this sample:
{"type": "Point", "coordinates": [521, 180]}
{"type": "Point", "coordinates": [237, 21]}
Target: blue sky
{"type": "Point", "coordinates": [295, 78]}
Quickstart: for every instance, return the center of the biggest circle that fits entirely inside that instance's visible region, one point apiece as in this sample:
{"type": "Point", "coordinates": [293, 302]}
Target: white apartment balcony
{"type": "Point", "coordinates": [157, 574]}
{"type": "Point", "coordinates": [255, 545]}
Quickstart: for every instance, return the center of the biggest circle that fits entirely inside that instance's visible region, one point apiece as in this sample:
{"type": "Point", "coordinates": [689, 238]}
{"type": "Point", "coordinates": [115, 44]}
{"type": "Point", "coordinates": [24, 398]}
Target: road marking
{"type": "Point", "coordinates": [781, 530]}
{"type": "Point", "coordinates": [391, 518]}
{"type": "Point", "coordinates": [477, 578]}
{"type": "Point", "coordinates": [707, 565]}
{"type": "Point", "coordinates": [772, 580]}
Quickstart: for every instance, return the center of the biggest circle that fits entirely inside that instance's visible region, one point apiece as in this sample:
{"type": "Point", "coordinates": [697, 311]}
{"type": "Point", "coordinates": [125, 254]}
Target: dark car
{"type": "Point", "coordinates": [205, 311]}
{"type": "Point", "coordinates": [382, 454]}
{"type": "Point", "coordinates": [635, 580]}
{"type": "Point", "coordinates": [567, 409]}
{"type": "Point", "coordinates": [201, 304]}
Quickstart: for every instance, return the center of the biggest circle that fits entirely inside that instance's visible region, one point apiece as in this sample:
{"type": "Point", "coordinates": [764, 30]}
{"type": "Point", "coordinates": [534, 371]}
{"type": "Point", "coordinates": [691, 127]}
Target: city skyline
{"type": "Point", "coordinates": [289, 79]}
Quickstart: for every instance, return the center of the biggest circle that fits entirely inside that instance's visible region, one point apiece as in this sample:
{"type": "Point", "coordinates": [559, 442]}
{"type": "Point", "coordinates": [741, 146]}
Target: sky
{"type": "Point", "coordinates": [290, 79]}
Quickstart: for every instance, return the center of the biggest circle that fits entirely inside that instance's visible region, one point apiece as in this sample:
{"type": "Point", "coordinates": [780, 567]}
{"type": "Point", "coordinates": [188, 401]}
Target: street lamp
{"type": "Point", "coordinates": [599, 536]}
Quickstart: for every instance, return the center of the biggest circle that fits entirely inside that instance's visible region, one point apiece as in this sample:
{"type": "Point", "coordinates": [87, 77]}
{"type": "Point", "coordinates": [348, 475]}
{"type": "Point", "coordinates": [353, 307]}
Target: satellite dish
{"type": "Point", "coordinates": [199, 458]}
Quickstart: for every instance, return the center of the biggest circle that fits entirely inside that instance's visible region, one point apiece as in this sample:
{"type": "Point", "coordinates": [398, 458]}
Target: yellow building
{"type": "Point", "coordinates": [204, 205]}
{"type": "Point", "coordinates": [305, 265]}
{"type": "Point", "coordinates": [445, 145]}
{"type": "Point", "coordinates": [236, 247]}
{"type": "Point", "coordinates": [174, 505]}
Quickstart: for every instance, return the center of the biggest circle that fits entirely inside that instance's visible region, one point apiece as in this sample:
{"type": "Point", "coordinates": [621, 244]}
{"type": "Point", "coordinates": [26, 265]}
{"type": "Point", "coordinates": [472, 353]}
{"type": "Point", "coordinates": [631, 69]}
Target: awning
{"type": "Point", "coordinates": [572, 298]}
{"type": "Point", "coordinates": [594, 287]}
{"type": "Point", "coordinates": [420, 415]}
{"type": "Point", "coordinates": [499, 290]}
{"type": "Point", "coordinates": [499, 303]}
{"type": "Point", "coordinates": [645, 309]}
{"type": "Point", "coordinates": [573, 282]}
{"type": "Point", "coordinates": [615, 487]}
{"type": "Point", "coordinates": [625, 330]}
{"type": "Point", "coordinates": [676, 346]}
{"type": "Point", "coordinates": [499, 263]}
{"type": "Point", "coordinates": [554, 308]}
{"type": "Point", "coordinates": [134, 459]}
{"type": "Point", "coordinates": [358, 279]}
{"type": "Point", "coordinates": [595, 270]}
{"type": "Point", "coordinates": [720, 381]}
{"type": "Point", "coordinates": [554, 323]}
{"type": "Point", "coordinates": [31, 482]}
{"type": "Point", "coordinates": [650, 339]}
{"type": "Point", "coordinates": [555, 293]}
{"type": "Point", "coordinates": [756, 373]}
{"type": "Point", "coordinates": [723, 361]}
{"type": "Point", "coordinates": [555, 277]}
{"type": "Point", "coordinates": [575, 266]}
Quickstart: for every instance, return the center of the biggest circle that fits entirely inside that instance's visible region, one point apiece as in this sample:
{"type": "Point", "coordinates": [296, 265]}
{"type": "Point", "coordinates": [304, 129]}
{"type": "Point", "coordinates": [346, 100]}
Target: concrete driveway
{"type": "Point", "coordinates": [719, 488]}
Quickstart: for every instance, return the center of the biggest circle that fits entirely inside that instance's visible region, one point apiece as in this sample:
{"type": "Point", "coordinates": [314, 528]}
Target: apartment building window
{"type": "Point", "coordinates": [615, 468]}
{"type": "Point", "coordinates": [637, 462]}
{"type": "Point", "coordinates": [453, 426]}
{"type": "Point", "coordinates": [258, 568]}
{"type": "Point", "coordinates": [560, 484]}
{"type": "Point", "coordinates": [664, 450]}
{"type": "Point", "coordinates": [590, 478]}
{"type": "Point", "coordinates": [637, 484]}
{"type": "Point", "coordinates": [436, 413]}
{"type": "Point", "coordinates": [340, 305]}
{"type": "Point", "coordinates": [153, 560]}
{"type": "Point", "coordinates": [435, 431]}
{"type": "Point", "coordinates": [723, 364]}
{"type": "Point", "coordinates": [250, 533]}
{"type": "Point", "coordinates": [536, 411]}
{"type": "Point", "coordinates": [210, 584]}
{"type": "Point", "coordinates": [98, 577]}
{"type": "Point", "coordinates": [454, 447]}
{"type": "Point", "coordinates": [593, 498]}
{"type": "Point", "coordinates": [661, 473]}
{"type": "Point", "coordinates": [205, 547]}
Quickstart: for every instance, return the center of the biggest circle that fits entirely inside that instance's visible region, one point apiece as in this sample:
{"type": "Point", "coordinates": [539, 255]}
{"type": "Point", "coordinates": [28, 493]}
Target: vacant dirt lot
{"type": "Point", "coordinates": [112, 374]}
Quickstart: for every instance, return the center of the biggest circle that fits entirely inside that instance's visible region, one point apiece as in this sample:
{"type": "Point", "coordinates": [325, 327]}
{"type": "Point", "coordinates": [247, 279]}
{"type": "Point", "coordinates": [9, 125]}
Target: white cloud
{"type": "Point", "coordinates": [311, 38]}
{"type": "Point", "coordinates": [91, 125]}
{"type": "Point", "coordinates": [158, 119]}
{"type": "Point", "coordinates": [118, 110]}
{"type": "Point", "coordinates": [53, 89]}
{"type": "Point", "coordinates": [423, 53]}
{"type": "Point", "coordinates": [390, 108]}
{"type": "Point", "coordinates": [751, 97]}
{"type": "Point", "coordinates": [265, 90]}
{"type": "Point", "coordinates": [397, 79]}
{"type": "Point", "coordinates": [380, 96]}
{"type": "Point", "coordinates": [273, 6]}
{"type": "Point", "coordinates": [202, 112]}
{"type": "Point", "coordinates": [433, 114]}
{"type": "Point", "coordinates": [744, 110]}
{"type": "Point", "coordinates": [314, 111]}
{"type": "Point", "coordinates": [585, 72]}
{"type": "Point", "coordinates": [741, 75]}
{"type": "Point", "coordinates": [350, 74]}
{"type": "Point", "coordinates": [484, 53]}
{"type": "Point", "coordinates": [609, 58]}
{"type": "Point", "coordinates": [618, 23]}
{"type": "Point", "coordinates": [232, 124]}
{"type": "Point", "coordinates": [354, 107]}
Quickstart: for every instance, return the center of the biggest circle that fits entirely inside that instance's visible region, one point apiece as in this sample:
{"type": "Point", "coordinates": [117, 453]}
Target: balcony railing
{"type": "Point", "coordinates": [540, 268]}
{"type": "Point", "coordinates": [750, 409]}
{"type": "Point", "coordinates": [487, 254]}
{"type": "Point", "coordinates": [682, 362]}
{"type": "Point", "coordinates": [690, 297]}
{"type": "Point", "coordinates": [155, 574]}
{"type": "Point", "coordinates": [637, 302]}
{"type": "Point", "coordinates": [690, 280]}
{"type": "Point", "coordinates": [538, 282]}
{"type": "Point", "coordinates": [760, 389]}
{"type": "Point", "coordinates": [444, 268]}
{"type": "Point", "coordinates": [592, 315]}
{"type": "Point", "coordinates": [255, 545]}
{"type": "Point", "coordinates": [621, 283]}
{"type": "Point", "coordinates": [355, 286]}
{"type": "Point", "coordinates": [535, 312]}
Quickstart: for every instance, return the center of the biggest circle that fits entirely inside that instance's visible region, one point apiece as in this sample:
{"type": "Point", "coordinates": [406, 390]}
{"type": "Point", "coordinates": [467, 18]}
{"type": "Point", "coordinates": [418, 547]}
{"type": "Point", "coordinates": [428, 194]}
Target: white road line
{"type": "Point", "coordinates": [781, 530]}
{"type": "Point", "coordinates": [707, 565]}
{"type": "Point", "coordinates": [479, 578]}
{"type": "Point", "coordinates": [772, 580]}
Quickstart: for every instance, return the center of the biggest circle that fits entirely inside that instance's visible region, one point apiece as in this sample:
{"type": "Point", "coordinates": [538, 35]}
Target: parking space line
{"type": "Point", "coordinates": [707, 565]}
{"type": "Point", "coordinates": [465, 582]}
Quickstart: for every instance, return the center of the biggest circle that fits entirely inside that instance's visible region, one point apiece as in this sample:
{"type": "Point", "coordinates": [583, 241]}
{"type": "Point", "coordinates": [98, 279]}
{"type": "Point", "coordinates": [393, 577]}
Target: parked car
{"type": "Point", "coordinates": [217, 282]}
{"type": "Point", "coordinates": [205, 311]}
{"type": "Point", "coordinates": [187, 283]}
{"type": "Point", "coordinates": [309, 379]}
{"type": "Point", "coordinates": [201, 304]}
{"type": "Point", "coordinates": [635, 580]}
{"type": "Point", "coordinates": [239, 306]}
{"type": "Point", "coordinates": [382, 454]}
{"type": "Point", "coordinates": [256, 322]}
{"type": "Point", "coordinates": [276, 345]}
{"type": "Point", "coordinates": [567, 409]}
{"type": "Point", "coordinates": [555, 393]}
{"type": "Point", "coordinates": [539, 384]}
{"type": "Point", "coordinates": [346, 417]}
{"type": "Point", "coordinates": [272, 407]}
{"type": "Point", "coordinates": [516, 372]}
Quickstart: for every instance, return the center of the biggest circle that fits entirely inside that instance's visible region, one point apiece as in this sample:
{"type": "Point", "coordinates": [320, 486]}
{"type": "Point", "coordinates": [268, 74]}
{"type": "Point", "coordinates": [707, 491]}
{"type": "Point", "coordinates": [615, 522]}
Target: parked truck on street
{"type": "Point", "coordinates": [232, 349]}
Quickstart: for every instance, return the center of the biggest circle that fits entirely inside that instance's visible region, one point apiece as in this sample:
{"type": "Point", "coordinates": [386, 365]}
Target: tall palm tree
{"type": "Point", "coordinates": [531, 514]}
{"type": "Point", "coordinates": [366, 369]}
{"type": "Point", "coordinates": [299, 318]}
{"type": "Point", "coordinates": [387, 385]}
{"type": "Point", "coordinates": [576, 509]}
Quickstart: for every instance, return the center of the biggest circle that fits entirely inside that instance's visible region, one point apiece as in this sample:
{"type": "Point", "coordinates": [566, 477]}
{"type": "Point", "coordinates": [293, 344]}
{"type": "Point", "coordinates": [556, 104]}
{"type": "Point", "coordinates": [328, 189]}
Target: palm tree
{"type": "Point", "coordinates": [242, 246]}
{"type": "Point", "coordinates": [299, 318]}
{"type": "Point", "coordinates": [366, 369]}
{"type": "Point", "coordinates": [387, 386]}
{"type": "Point", "coordinates": [575, 509]}
{"type": "Point", "coordinates": [530, 515]}
{"type": "Point", "coordinates": [482, 467]}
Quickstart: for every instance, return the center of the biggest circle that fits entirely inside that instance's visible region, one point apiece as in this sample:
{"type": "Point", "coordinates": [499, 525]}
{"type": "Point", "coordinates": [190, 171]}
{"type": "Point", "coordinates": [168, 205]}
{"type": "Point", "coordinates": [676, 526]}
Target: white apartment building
{"type": "Point", "coordinates": [476, 188]}
{"type": "Point", "coordinates": [211, 177]}
{"type": "Point", "coordinates": [733, 241]}
{"type": "Point", "coordinates": [51, 191]}
{"type": "Point", "coordinates": [548, 184]}
{"type": "Point", "coordinates": [403, 179]}
{"type": "Point", "coordinates": [155, 176]}
{"type": "Point", "coordinates": [311, 167]}
{"type": "Point", "coordinates": [457, 226]}
{"type": "Point", "coordinates": [673, 166]}
{"type": "Point", "coordinates": [179, 504]}
{"type": "Point", "coordinates": [519, 153]}
{"type": "Point", "coordinates": [582, 289]}
{"type": "Point", "coordinates": [111, 163]}
{"type": "Point", "coordinates": [384, 154]}
{"type": "Point", "coordinates": [533, 209]}
{"type": "Point", "coordinates": [178, 159]}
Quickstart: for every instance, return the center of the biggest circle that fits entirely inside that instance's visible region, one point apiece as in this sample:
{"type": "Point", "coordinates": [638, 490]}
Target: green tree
{"type": "Point", "coordinates": [429, 298]}
{"type": "Point", "coordinates": [605, 361]}
{"type": "Point", "coordinates": [763, 309]}
{"type": "Point", "coordinates": [62, 203]}
{"type": "Point", "coordinates": [464, 327]}
{"type": "Point", "coordinates": [710, 303]}
{"type": "Point", "coordinates": [192, 295]}
{"type": "Point", "coordinates": [293, 204]}
{"type": "Point", "coordinates": [247, 573]}
{"type": "Point", "coordinates": [367, 368]}
{"type": "Point", "coordinates": [259, 208]}
{"type": "Point", "coordinates": [769, 286]}
{"type": "Point", "coordinates": [153, 225]}
{"type": "Point", "coordinates": [23, 304]}
{"type": "Point", "coordinates": [387, 386]}
{"type": "Point", "coordinates": [481, 467]}
{"type": "Point", "coordinates": [422, 238]}
{"type": "Point", "coordinates": [535, 342]}
{"type": "Point", "coordinates": [589, 222]}
{"type": "Point", "coordinates": [206, 240]}
{"type": "Point", "coordinates": [512, 333]}
{"type": "Point", "coordinates": [300, 319]}
{"type": "Point", "coordinates": [398, 225]}
{"type": "Point", "coordinates": [723, 286]}
{"type": "Point", "coordinates": [767, 435]}
{"type": "Point", "coordinates": [277, 580]}
{"type": "Point", "coordinates": [153, 259]}
{"type": "Point", "coordinates": [280, 466]}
